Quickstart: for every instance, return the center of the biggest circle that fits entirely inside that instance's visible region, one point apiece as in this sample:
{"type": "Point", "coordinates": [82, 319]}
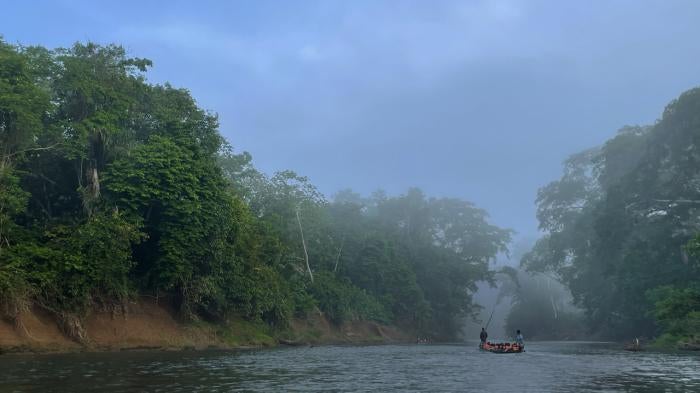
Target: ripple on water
{"type": "Point", "coordinates": [545, 367]}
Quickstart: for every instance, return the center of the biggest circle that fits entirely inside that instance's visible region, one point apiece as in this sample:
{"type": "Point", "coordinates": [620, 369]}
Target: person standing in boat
{"type": "Point", "coordinates": [483, 336]}
{"type": "Point", "coordinates": [519, 338]}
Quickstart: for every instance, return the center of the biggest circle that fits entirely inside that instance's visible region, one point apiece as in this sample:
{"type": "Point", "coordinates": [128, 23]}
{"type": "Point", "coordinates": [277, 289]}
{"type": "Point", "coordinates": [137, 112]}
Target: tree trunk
{"type": "Point", "coordinates": [303, 243]}
{"type": "Point", "coordinates": [337, 258]}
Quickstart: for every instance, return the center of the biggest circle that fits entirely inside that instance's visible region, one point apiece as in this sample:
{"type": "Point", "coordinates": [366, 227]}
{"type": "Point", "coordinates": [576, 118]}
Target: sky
{"type": "Point", "coordinates": [480, 100]}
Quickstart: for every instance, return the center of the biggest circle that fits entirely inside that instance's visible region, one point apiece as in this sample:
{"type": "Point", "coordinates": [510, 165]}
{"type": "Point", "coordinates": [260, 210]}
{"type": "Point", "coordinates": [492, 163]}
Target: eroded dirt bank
{"type": "Point", "coordinates": [147, 325]}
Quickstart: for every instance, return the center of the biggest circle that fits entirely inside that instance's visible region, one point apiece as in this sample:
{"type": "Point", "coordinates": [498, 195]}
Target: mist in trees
{"type": "Point", "coordinates": [534, 302]}
{"type": "Point", "coordinates": [619, 255]}
{"type": "Point", "coordinates": [621, 228]}
{"type": "Point", "coordinates": [114, 188]}
{"type": "Point", "coordinates": [542, 307]}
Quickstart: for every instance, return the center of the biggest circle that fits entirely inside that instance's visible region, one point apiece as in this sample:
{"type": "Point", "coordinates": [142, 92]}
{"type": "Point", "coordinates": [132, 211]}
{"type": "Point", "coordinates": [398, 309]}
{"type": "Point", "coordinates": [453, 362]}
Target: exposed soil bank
{"type": "Point", "coordinates": [147, 325]}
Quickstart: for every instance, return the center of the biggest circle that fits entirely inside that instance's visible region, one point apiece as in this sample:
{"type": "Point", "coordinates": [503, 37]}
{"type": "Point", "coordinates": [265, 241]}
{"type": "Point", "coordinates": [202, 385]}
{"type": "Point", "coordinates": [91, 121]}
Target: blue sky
{"type": "Point", "coordinates": [480, 100]}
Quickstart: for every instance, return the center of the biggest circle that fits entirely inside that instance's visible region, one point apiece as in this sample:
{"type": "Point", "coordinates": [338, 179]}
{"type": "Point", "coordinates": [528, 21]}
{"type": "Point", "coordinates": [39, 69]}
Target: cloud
{"type": "Point", "coordinates": [477, 99]}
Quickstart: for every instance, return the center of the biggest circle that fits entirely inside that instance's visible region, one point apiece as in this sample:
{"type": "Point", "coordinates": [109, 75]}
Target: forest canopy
{"type": "Point", "coordinates": [621, 228]}
{"type": "Point", "coordinates": [113, 188]}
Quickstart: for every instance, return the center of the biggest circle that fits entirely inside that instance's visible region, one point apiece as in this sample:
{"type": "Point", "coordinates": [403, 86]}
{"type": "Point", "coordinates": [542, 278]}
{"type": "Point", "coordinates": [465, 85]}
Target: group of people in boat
{"type": "Point", "coordinates": [502, 347]}
{"type": "Point", "coordinates": [517, 346]}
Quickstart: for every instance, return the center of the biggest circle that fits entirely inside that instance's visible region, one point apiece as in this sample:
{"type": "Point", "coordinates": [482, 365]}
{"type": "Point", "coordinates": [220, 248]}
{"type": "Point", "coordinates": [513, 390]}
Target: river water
{"type": "Point", "coordinates": [544, 367]}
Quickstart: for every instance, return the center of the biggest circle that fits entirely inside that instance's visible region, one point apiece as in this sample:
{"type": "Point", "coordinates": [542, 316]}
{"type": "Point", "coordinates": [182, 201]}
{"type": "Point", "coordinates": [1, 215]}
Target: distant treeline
{"type": "Point", "coordinates": [112, 187]}
{"type": "Point", "coordinates": [621, 228]}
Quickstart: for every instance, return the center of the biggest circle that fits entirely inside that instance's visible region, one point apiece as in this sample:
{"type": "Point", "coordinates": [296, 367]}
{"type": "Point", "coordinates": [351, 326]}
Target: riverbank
{"type": "Point", "coordinates": [147, 325]}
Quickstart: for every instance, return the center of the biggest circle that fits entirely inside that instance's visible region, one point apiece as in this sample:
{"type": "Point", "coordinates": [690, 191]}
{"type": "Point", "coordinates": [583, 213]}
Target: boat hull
{"type": "Point", "coordinates": [495, 349]}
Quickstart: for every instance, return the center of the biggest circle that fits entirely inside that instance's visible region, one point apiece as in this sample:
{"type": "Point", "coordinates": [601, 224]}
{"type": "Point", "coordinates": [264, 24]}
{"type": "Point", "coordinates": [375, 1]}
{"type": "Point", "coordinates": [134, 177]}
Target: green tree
{"type": "Point", "coordinates": [618, 220]}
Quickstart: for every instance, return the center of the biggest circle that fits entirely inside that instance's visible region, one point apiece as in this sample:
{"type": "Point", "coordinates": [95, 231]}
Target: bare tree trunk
{"type": "Point", "coordinates": [551, 298]}
{"type": "Point", "coordinates": [4, 165]}
{"type": "Point", "coordinates": [91, 192]}
{"type": "Point", "coordinates": [337, 258]}
{"type": "Point", "coordinates": [303, 243]}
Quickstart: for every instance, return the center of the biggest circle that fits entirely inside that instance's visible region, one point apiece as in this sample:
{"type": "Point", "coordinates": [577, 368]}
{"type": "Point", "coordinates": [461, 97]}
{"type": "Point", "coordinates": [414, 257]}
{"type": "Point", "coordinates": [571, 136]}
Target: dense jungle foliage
{"type": "Point", "coordinates": [113, 188]}
{"type": "Point", "coordinates": [621, 228]}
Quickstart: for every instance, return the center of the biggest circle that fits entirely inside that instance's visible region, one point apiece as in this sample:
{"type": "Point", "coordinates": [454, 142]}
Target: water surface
{"type": "Point", "coordinates": [544, 367]}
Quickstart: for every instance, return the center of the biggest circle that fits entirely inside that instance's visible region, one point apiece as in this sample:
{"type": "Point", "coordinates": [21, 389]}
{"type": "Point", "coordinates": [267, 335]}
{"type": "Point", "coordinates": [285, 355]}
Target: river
{"type": "Point", "coordinates": [544, 367]}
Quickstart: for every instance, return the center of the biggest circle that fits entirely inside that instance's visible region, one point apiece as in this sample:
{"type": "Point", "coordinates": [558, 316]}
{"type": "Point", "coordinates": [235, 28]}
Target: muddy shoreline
{"type": "Point", "coordinates": [148, 326]}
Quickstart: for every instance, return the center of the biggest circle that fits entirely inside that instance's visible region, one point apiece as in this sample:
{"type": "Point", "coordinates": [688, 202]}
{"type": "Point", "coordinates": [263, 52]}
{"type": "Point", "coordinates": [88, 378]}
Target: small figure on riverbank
{"type": "Point", "coordinates": [483, 336]}
{"type": "Point", "coordinates": [634, 346]}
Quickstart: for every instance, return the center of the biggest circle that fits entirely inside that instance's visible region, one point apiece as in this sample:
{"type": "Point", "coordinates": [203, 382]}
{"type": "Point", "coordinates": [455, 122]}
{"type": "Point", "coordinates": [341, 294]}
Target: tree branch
{"type": "Point", "coordinates": [32, 149]}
